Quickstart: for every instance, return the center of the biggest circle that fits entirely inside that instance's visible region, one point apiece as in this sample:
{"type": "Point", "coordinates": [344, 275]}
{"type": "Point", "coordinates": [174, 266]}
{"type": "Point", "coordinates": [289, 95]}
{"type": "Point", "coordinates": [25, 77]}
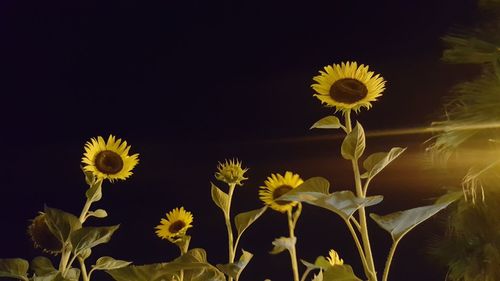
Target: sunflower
{"type": "Point", "coordinates": [175, 226]}
{"type": "Point", "coordinates": [231, 172]}
{"type": "Point", "coordinates": [42, 237]}
{"type": "Point", "coordinates": [348, 87]}
{"type": "Point", "coordinates": [109, 160]}
{"type": "Point", "coordinates": [334, 258]}
{"type": "Point", "coordinates": [275, 186]}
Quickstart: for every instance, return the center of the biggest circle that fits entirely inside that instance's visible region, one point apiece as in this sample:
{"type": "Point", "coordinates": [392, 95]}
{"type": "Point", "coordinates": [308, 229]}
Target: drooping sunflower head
{"type": "Point", "coordinates": [231, 172]}
{"type": "Point", "coordinates": [175, 226]}
{"type": "Point", "coordinates": [348, 86]}
{"type": "Point", "coordinates": [42, 237]}
{"type": "Point", "coordinates": [334, 258]}
{"type": "Point", "coordinates": [277, 185]}
{"type": "Point", "coordinates": [109, 160]}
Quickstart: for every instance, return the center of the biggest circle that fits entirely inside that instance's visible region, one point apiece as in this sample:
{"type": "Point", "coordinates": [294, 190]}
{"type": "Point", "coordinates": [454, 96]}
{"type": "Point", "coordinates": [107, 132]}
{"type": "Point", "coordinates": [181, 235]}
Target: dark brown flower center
{"type": "Point", "coordinates": [348, 90]}
{"type": "Point", "coordinates": [280, 191]}
{"type": "Point", "coordinates": [176, 226]}
{"type": "Point", "coordinates": [108, 162]}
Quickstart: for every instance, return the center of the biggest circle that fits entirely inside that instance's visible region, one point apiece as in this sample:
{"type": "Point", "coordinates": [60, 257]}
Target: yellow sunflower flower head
{"type": "Point", "coordinates": [109, 160]}
{"type": "Point", "coordinates": [231, 172]}
{"type": "Point", "coordinates": [42, 237]}
{"type": "Point", "coordinates": [334, 258]}
{"type": "Point", "coordinates": [175, 226]}
{"type": "Point", "coordinates": [348, 86]}
{"type": "Point", "coordinates": [275, 186]}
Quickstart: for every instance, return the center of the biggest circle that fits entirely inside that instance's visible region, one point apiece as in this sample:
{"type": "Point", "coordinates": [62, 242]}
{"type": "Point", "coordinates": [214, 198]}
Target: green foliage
{"type": "Point", "coordinates": [61, 223]}
{"type": "Point", "coordinates": [400, 223]}
{"type": "Point", "coordinates": [220, 198]}
{"type": "Point", "coordinates": [314, 191]}
{"type": "Point", "coordinates": [14, 268]}
{"type": "Point", "coordinates": [283, 243]}
{"type": "Point", "coordinates": [328, 122]}
{"type": "Point", "coordinates": [244, 220]}
{"type": "Point", "coordinates": [234, 269]}
{"type": "Point", "coordinates": [376, 162]}
{"type": "Point", "coordinates": [108, 263]}
{"type": "Point", "coordinates": [193, 264]}
{"type": "Point", "coordinates": [354, 143]}
{"type": "Point", "coordinates": [42, 266]}
{"type": "Point", "coordinates": [89, 237]}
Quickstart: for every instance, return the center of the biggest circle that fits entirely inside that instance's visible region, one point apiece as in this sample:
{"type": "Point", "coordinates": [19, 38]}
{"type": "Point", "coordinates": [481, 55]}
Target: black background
{"type": "Point", "coordinates": [190, 83]}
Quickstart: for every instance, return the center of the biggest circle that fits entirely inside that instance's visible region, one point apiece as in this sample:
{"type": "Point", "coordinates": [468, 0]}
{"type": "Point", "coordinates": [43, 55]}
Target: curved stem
{"type": "Point", "coordinates": [293, 251]}
{"type": "Point", "coordinates": [365, 187]}
{"type": "Point", "coordinates": [305, 274]}
{"type": "Point", "coordinates": [355, 221]}
{"type": "Point", "coordinates": [362, 214]}
{"type": "Point", "coordinates": [389, 260]}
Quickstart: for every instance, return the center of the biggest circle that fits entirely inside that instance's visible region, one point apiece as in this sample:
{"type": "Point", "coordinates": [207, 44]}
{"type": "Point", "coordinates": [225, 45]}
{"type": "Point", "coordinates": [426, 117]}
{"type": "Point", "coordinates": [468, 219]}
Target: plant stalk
{"type": "Point", "coordinates": [227, 217]}
{"type": "Point", "coordinates": [293, 251]}
{"type": "Point", "coordinates": [389, 260]}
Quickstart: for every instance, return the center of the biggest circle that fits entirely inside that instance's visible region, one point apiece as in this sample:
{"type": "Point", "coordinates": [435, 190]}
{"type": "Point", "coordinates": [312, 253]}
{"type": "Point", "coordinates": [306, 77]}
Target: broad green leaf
{"type": "Point", "coordinates": [328, 122]}
{"type": "Point", "coordinates": [220, 198]}
{"type": "Point", "coordinates": [353, 145]}
{"type": "Point", "coordinates": [340, 273]}
{"type": "Point", "coordinates": [51, 276]}
{"type": "Point", "coordinates": [344, 203]}
{"type": "Point", "coordinates": [61, 223]}
{"type": "Point", "coordinates": [106, 263]}
{"type": "Point", "coordinates": [85, 253]}
{"type": "Point", "coordinates": [193, 263]}
{"type": "Point", "coordinates": [89, 237]}
{"type": "Point", "coordinates": [73, 274]}
{"type": "Point", "coordinates": [400, 223]}
{"type": "Point", "coordinates": [283, 243]}
{"type": "Point", "coordinates": [450, 197]}
{"type": "Point", "coordinates": [14, 268]}
{"type": "Point", "coordinates": [234, 269]}
{"type": "Point", "coordinates": [42, 266]}
{"type": "Point", "coordinates": [309, 190]}
{"type": "Point", "coordinates": [94, 193]}
{"type": "Point", "coordinates": [378, 161]}
{"type": "Point", "coordinates": [99, 213]}
{"type": "Point", "coordinates": [244, 220]}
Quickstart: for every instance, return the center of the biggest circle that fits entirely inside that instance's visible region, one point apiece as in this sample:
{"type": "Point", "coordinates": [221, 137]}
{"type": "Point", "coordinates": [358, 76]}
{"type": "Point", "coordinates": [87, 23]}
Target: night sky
{"type": "Point", "coordinates": [190, 83]}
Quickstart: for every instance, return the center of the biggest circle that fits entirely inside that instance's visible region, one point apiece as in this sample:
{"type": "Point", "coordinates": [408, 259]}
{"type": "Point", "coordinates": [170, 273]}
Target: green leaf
{"type": "Point", "coordinates": [89, 177]}
{"type": "Point", "coordinates": [343, 203]}
{"type": "Point", "coordinates": [353, 145]}
{"type": "Point", "coordinates": [328, 122]}
{"type": "Point", "coordinates": [400, 223]}
{"type": "Point", "coordinates": [94, 193]}
{"type": "Point", "coordinates": [318, 277]}
{"type": "Point", "coordinates": [283, 243]}
{"type": "Point", "coordinates": [99, 213]}
{"type": "Point", "coordinates": [107, 263]}
{"type": "Point", "coordinates": [73, 274]}
{"type": "Point", "coordinates": [378, 161]}
{"type": "Point", "coordinates": [85, 253]}
{"type": "Point", "coordinates": [244, 220]}
{"type": "Point", "coordinates": [193, 263]}
{"type": "Point", "coordinates": [234, 269]}
{"type": "Point", "coordinates": [61, 223]}
{"type": "Point", "coordinates": [220, 198]}
{"type": "Point", "coordinates": [14, 268]}
{"type": "Point", "coordinates": [88, 237]}
{"type": "Point", "coordinates": [42, 266]}
{"type": "Point", "coordinates": [340, 273]}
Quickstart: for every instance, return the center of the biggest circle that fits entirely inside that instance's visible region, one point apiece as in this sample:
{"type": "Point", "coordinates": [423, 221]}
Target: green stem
{"type": "Point", "coordinates": [227, 217]}
{"type": "Point", "coordinates": [362, 214]}
{"type": "Point", "coordinates": [63, 263]}
{"type": "Point", "coordinates": [83, 269]}
{"type": "Point", "coordinates": [305, 274]}
{"type": "Point", "coordinates": [293, 251]}
{"type": "Point", "coordinates": [358, 245]}
{"type": "Point", "coordinates": [85, 210]}
{"type": "Point", "coordinates": [183, 248]}
{"type": "Point", "coordinates": [389, 260]}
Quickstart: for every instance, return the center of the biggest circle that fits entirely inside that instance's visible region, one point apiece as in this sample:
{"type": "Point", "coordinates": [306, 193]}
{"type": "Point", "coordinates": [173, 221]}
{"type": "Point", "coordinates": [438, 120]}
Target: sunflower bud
{"type": "Point", "coordinates": [231, 172]}
{"type": "Point", "coordinates": [42, 237]}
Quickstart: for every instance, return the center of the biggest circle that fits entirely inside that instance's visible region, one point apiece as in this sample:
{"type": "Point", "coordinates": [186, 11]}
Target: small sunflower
{"type": "Point", "coordinates": [231, 172]}
{"type": "Point", "coordinates": [42, 237]}
{"type": "Point", "coordinates": [275, 186]}
{"type": "Point", "coordinates": [334, 258]}
{"type": "Point", "coordinates": [109, 160]}
{"type": "Point", "coordinates": [348, 87]}
{"type": "Point", "coordinates": [175, 226]}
